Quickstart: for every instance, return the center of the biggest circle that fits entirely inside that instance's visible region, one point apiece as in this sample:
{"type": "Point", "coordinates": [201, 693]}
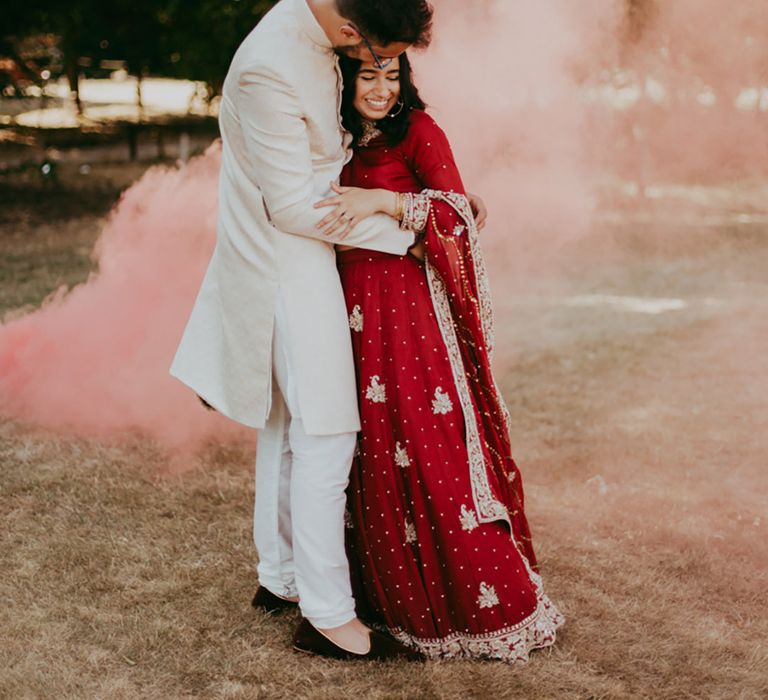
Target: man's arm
{"type": "Point", "coordinates": [278, 145]}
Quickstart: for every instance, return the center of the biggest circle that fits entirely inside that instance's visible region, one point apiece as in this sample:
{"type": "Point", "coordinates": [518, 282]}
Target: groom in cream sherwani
{"type": "Point", "coordinates": [267, 343]}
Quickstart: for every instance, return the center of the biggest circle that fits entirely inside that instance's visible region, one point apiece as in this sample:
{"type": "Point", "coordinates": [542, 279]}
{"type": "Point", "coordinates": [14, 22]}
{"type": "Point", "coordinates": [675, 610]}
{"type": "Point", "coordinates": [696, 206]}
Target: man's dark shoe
{"type": "Point", "coordinates": [308, 640]}
{"type": "Point", "coordinates": [268, 602]}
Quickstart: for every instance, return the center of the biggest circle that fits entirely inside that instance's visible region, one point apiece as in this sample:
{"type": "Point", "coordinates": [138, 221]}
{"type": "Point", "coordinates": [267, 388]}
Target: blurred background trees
{"type": "Point", "coordinates": [195, 39]}
{"type": "Point", "coordinates": [175, 38]}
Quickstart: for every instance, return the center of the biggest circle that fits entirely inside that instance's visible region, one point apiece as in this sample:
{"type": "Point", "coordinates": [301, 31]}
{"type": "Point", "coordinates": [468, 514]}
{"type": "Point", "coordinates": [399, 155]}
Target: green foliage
{"type": "Point", "coordinates": [207, 33]}
{"type": "Point", "coordinates": [177, 38]}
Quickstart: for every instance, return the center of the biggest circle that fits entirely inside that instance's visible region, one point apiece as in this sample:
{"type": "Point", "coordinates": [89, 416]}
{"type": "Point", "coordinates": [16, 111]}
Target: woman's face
{"type": "Point", "coordinates": [377, 90]}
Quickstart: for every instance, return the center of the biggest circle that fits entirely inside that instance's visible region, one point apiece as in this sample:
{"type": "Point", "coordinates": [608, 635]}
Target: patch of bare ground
{"type": "Point", "coordinates": [642, 443]}
{"type": "Point", "coordinates": [48, 227]}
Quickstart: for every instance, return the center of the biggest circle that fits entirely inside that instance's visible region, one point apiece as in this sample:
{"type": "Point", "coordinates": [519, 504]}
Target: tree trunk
{"type": "Point", "coordinates": [73, 76]}
{"type": "Point", "coordinates": [139, 96]}
{"type": "Point", "coordinates": [133, 141]}
{"type": "Point", "coordinates": [160, 142]}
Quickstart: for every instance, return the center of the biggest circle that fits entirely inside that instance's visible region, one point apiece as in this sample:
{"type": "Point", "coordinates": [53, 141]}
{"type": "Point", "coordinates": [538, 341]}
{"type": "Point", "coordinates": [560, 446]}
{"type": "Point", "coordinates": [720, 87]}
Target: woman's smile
{"type": "Point", "coordinates": [377, 103]}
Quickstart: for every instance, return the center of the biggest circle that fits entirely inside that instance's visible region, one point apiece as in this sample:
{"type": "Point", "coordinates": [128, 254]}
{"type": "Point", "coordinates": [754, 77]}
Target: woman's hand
{"type": "Point", "coordinates": [417, 251]}
{"type": "Point", "coordinates": [479, 210]}
{"type": "Point", "coordinates": [351, 206]}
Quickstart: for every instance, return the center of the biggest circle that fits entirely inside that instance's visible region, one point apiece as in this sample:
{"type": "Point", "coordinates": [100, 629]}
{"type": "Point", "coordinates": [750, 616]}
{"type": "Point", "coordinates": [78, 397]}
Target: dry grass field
{"type": "Point", "coordinates": [643, 443]}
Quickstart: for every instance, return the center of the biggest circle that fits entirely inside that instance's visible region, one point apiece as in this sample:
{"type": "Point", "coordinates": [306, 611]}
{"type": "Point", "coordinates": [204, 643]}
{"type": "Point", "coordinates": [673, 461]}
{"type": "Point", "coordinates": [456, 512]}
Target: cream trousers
{"type": "Point", "coordinates": [298, 523]}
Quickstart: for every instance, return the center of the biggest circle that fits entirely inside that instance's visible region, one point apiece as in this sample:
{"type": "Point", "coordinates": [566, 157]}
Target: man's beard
{"type": "Point", "coordinates": [349, 51]}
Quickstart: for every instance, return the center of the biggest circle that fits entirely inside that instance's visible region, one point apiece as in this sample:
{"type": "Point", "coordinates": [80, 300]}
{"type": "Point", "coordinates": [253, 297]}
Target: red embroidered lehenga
{"type": "Point", "coordinates": [439, 544]}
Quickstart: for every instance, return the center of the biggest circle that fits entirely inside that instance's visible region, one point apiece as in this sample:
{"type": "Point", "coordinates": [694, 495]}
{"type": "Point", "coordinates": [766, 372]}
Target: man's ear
{"type": "Point", "coordinates": [349, 33]}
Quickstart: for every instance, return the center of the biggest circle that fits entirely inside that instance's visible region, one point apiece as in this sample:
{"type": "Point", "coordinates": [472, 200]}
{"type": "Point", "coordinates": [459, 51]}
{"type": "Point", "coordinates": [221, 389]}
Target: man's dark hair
{"type": "Point", "coordinates": [387, 21]}
{"type": "Point", "coordinates": [393, 127]}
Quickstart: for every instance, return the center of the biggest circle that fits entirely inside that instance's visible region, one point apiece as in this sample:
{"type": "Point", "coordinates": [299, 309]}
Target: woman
{"type": "Point", "coordinates": [437, 531]}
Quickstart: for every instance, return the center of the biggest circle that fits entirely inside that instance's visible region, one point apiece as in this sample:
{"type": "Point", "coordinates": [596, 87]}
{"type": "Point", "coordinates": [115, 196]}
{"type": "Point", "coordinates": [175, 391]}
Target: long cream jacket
{"type": "Point", "coordinates": [283, 145]}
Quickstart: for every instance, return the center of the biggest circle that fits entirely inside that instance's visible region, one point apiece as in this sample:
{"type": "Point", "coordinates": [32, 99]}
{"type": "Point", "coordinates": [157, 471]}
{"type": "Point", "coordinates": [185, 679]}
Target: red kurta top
{"type": "Point", "coordinates": [423, 160]}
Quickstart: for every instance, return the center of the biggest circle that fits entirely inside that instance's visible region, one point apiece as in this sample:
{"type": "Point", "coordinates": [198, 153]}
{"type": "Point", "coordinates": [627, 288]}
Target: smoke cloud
{"type": "Point", "coordinates": [502, 79]}
{"type": "Point", "coordinates": [94, 360]}
{"type": "Point", "coordinates": [544, 103]}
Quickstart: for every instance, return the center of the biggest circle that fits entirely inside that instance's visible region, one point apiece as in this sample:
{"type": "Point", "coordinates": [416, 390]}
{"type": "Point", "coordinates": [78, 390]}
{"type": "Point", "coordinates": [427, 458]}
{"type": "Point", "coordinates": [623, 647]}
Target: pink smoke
{"type": "Point", "coordinates": [545, 100]}
{"type": "Point", "coordinates": [502, 80]}
{"type": "Point", "coordinates": [701, 111]}
{"type": "Point", "coordinates": [529, 93]}
{"type": "Point", "coordinates": [94, 360]}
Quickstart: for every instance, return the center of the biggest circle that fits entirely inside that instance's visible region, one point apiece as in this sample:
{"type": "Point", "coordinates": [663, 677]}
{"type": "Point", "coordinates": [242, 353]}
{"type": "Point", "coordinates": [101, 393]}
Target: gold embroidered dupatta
{"type": "Point", "coordinates": [460, 292]}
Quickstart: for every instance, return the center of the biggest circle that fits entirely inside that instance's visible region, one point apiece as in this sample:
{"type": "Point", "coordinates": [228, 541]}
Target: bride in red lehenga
{"type": "Point", "coordinates": [439, 544]}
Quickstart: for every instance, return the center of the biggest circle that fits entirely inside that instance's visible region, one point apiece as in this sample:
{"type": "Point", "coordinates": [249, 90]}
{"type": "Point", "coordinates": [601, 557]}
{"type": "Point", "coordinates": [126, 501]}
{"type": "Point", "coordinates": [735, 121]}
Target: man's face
{"type": "Point", "coordinates": [351, 42]}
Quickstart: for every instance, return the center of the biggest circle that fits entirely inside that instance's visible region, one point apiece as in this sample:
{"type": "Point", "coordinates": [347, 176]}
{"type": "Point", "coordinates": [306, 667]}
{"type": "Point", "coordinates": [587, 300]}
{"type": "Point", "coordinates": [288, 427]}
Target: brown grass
{"type": "Point", "coordinates": [642, 442]}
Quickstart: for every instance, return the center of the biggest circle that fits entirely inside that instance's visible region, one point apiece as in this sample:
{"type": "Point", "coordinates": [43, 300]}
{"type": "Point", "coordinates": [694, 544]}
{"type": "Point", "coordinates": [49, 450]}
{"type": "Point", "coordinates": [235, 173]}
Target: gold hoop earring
{"type": "Point", "coordinates": [394, 114]}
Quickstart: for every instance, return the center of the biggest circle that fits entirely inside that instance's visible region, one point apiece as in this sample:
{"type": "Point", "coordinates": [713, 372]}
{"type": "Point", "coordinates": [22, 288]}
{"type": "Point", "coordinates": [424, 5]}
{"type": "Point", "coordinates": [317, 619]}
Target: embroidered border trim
{"type": "Point", "coordinates": [415, 212]}
{"type": "Point", "coordinates": [511, 644]}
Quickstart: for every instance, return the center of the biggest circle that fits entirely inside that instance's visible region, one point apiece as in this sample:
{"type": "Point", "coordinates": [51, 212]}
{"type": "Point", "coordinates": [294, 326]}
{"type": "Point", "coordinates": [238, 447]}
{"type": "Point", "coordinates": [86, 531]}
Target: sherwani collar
{"type": "Point", "coordinates": [310, 26]}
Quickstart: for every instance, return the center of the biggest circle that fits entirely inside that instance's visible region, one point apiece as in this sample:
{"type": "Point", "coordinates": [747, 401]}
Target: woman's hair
{"type": "Point", "coordinates": [394, 127]}
{"type": "Point", "coordinates": [387, 21]}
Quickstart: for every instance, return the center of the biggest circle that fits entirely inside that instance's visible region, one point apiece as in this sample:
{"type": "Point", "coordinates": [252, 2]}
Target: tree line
{"type": "Point", "coordinates": [193, 39]}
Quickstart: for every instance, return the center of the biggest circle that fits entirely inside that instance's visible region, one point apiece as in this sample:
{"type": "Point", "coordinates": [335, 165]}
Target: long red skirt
{"type": "Point", "coordinates": [422, 564]}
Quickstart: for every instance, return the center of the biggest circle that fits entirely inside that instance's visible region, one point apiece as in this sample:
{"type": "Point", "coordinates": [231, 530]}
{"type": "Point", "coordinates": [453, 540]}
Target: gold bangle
{"type": "Point", "coordinates": [400, 207]}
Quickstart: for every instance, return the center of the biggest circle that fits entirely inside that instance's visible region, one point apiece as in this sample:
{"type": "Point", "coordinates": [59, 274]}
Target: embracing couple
{"type": "Point", "coordinates": [346, 315]}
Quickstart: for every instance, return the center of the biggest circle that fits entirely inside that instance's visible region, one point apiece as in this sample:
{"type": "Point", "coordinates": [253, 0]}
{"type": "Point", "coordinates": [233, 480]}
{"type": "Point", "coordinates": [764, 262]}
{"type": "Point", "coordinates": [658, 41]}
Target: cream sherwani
{"type": "Point", "coordinates": [268, 341]}
{"type": "Point", "coordinates": [282, 146]}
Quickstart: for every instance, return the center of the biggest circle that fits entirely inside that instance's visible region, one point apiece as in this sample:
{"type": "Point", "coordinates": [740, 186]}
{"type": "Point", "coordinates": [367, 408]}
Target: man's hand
{"type": "Point", "coordinates": [479, 210]}
{"type": "Point", "coordinates": [351, 206]}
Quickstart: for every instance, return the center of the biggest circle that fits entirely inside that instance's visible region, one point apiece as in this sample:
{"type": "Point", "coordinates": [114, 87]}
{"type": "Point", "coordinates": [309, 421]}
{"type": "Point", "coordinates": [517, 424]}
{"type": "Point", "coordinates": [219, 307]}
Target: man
{"type": "Point", "coordinates": [268, 343]}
